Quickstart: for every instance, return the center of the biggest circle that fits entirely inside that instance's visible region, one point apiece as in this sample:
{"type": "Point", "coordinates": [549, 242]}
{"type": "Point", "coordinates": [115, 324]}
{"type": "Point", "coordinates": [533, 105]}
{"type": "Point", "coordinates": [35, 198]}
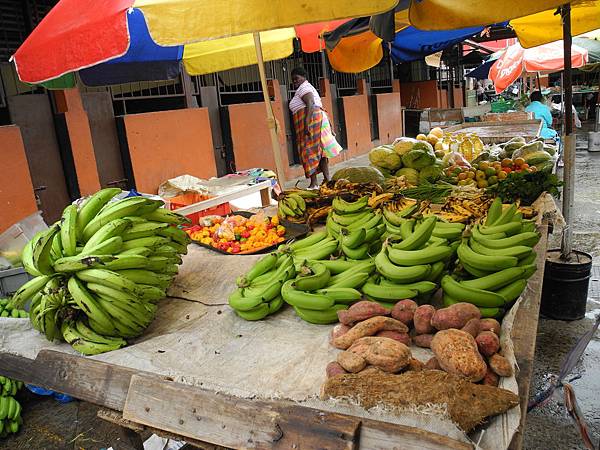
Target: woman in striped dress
{"type": "Point", "coordinates": [316, 143]}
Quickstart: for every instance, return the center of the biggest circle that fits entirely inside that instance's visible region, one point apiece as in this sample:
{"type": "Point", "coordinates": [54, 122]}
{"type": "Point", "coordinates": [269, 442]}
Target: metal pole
{"type": "Point", "coordinates": [271, 122]}
{"type": "Point", "coordinates": [569, 138]}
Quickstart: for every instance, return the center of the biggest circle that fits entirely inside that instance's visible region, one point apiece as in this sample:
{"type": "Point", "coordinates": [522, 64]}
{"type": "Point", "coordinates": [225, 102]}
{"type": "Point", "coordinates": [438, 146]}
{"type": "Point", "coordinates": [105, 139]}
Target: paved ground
{"type": "Point", "coordinates": [52, 426]}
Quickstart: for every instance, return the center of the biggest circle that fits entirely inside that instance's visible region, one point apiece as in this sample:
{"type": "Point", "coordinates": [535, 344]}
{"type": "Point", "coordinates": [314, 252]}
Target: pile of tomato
{"type": "Point", "coordinates": [487, 173]}
{"type": "Point", "coordinates": [238, 234]}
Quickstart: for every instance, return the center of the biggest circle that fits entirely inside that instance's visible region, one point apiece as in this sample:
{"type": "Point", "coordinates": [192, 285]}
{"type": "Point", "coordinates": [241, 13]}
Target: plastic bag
{"type": "Point", "coordinates": [455, 159]}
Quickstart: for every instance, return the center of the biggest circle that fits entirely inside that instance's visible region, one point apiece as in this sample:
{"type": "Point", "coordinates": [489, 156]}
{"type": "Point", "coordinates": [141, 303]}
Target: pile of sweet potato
{"type": "Point", "coordinates": [462, 343]}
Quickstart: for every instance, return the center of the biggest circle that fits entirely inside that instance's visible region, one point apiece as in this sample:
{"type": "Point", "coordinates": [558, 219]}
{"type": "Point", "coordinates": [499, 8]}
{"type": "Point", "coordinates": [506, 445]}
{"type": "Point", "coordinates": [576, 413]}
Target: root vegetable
{"type": "Point", "coordinates": [415, 364]}
{"type": "Point", "coordinates": [487, 343]}
{"type": "Point", "coordinates": [457, 353]}
{"type": "Point", "coordinates": [423, 340]}
{"type": "Point", "coordinates": [334, 368]}
{"type": "Point", "coordinates": [395, 335]}
{"type": "Point", "coordinates": [369, 327]}
{"type": "Point", "coordinates": [455, 316]}
{"type": "Point", "coordinates": [491, 379]}
{"type": "Point", "coordinates": [489, 325]}
{"type": "Point", "coordinates": [361, 311]}
{"type": "Point", "coordinates": [422, 319]}
{"type": "Point", "coordinates": [433, 364]}
{"type": "Point", "coordinates": [500, 365]}
{"type": "Point", "coordinates": [351, 362]}
{"type": "Point", "coordinates": [384, 353]}
{"type": "Point", "coordinates": [472, 327]}
{"type": "Point", "coordinates": [337, 331]}
{"type": "Point", "coordinates": [404, 311]}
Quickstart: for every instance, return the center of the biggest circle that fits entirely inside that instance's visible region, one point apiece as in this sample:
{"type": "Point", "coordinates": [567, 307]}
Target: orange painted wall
{"type": "Point", "coordinates": [357, 120]}
{"type": "Point", "coordinates": [459, 97]}
{"type": "Point", "coordinates": [167, 144]}
{"type": "Point", "coordinates": [425, 93]}
{"type": "Point", "coordinates": [68, 102]}
{"type": "Point", "coordinates": [17, 199]}
{"type": "Point", "coordinates": [389, 117]}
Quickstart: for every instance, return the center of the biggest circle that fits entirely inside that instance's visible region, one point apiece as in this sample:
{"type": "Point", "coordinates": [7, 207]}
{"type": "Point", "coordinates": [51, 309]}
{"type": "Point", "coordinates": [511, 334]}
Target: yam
{"type": "Point", "coordinates": [433, 364]}
{"type": "Point", "coordinates": [404, 311]}
{"type": "Point", "coordinates": [422, 319]}
{"type": "Point", "coordinates": [488, 343]}
{"type": "Point", "coordinates": [472, 327]}
{"type": "Point", "coordinates": [334, 368]}
{"type": "Point", "coordinates": [337, 331]}
{"type": "Point", "coordinates": [455, 316]}
{"type": "Point", "coordinates": [491, 379]}
{"type": "Point", "coordinates": [489, 325]}
{"type": "Point", "coordinates": [500, 365]}
{"type": "Point", "coordinates": [361, 311]}
{"type": "Point", "coordinates": [369, 327]}
{"type": "Point", "coordinates": [384, 353]}
{"type": "Point", "coordinates": [467, 404]}
{"type": "Point", "coordinates": [395, 335]}
{"type": "Point", "coordinates": [457, 353]}
{"type": "Point", "coordinates": [423, 340]}
{"type": "Point", "coordinates": [351, 362]}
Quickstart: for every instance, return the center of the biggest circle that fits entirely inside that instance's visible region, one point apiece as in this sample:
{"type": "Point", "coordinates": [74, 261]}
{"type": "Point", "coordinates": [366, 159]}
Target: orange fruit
{"type": "Point", "coordinates": [519, 162]}
{"type": "Point", "coordinates": [507, 162]}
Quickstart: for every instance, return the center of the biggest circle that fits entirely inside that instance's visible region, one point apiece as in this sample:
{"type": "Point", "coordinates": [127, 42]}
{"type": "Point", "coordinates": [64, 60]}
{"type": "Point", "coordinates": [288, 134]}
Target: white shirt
{"type": "Point", "coordinates": [296, 103]}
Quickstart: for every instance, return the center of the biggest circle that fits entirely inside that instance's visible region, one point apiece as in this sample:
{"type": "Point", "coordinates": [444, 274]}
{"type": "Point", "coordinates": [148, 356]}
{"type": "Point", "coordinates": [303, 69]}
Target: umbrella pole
{"type": "Point", "coordinates": [569, 139]}
{"type": "Point", "coordinates": [271, 122]}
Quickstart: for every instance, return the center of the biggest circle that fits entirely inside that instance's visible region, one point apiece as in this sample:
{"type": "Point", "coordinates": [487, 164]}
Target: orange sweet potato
{"type": "Point", "coordinates": [422, 319]}
{"type": "Point", "coordinates": [351, 362]}
{"type": "Point", "coordinates": [361, 311]}
{"type": "Point", "coordinates": [404, 311]}
{"type": "Point", "coordinates": [423, 340]}
{"type": "Point", "coordinates": [415, 364]}
{"type": "Point", "coordinates": [489, 325]}
{"type": "Point", "coordinates": [369, 327]}
{"type": "Point", "coordinates": [395, 335]}
{"type": "Point", "coordinates": [455, 316]}
{"type": "Point", "coordinates": [333, 369]}
{"type": "Point", "coordinates": [500, 365]}
{"type": "Point", "coordinates": [472, 327]}
{"type": "Point", "coordinates": [487, 343]}
{"type": "Point", "coordinates": [338, 330]}
{"type": "Point", "coordinates": [384, 353]}
{"type": "Point", "coordinates": [491, 379]}
{"type": "Point", "coordinates": [432, 364]}
{"type": "Point", "coordinates": [457, 353]}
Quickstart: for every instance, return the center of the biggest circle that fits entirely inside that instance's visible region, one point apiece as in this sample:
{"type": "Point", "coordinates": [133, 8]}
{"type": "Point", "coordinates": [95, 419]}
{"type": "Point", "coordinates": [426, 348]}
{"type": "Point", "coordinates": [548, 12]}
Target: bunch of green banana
{"type": "Point", "coordinates": [394, 219]}
{"type": "Point", "coordinates": [292, 204]}
{"type": "Point", "coordinates": [100, 270]}
{"type": "Point", "coordinates": [496, 260]}
{"type": "Point", "coordinates": [315, 246]}
{"type": "Point", "coordinates": [10, 408]}
{"type": "Point", "coordinates": [258, 294]}
{"type": "Point", "coordinates": [7, 310]}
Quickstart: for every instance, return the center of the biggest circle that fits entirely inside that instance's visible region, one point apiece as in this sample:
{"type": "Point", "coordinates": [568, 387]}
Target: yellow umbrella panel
{"type": "Point", "coordinates": [217, 55]}
{"type": "Point", "coordinates": [541, 28]}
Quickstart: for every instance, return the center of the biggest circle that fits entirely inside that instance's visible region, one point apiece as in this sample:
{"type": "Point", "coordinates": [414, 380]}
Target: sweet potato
{"type": "Point", "coordinates": [361, 311]}
{"type": "Point", "coordinates": [404, 311]}
{"type": "Point", "coordinates": [472, 327]}
{"type": "Point", "coordinates": [369, 327]}
{"type": "Point", "coordinates": [491, 379]}
{"type": "Point", "coordinates": [423, 340]}
{"type": "Point", "coordinates": [333, 369]}
{"type": "Point", "coordinates": [500, 365]}
{"type": "Point", "coordinates": [422, 319]}
{"type": "Point", "coordinates": [385, 353]}
{"type": "Point", "coordinates": [487, 343]}
{"type": "Point", "coordinates": [351, 362]}
{"type": "Point", "coordinates": [337, 331]}
{"type": "Point", "coordinates": [457, 353]}
{"type": "Point", "coordinates": [432, 364]}
{"type": "Point", "coordinates": [395, 335]}
{"type": "Point", "coordinates": [455, 316]}
{"type": "Point", "coordinates": [415, 364]}
{"type": "Point", "coordinates": [489, 325]}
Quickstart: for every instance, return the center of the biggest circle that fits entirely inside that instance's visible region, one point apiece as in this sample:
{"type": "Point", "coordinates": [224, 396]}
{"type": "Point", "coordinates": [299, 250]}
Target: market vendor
{"type": "Point", "coordinates": [541, 111]}
{"type": "Point", "coordinates": [316, 143]}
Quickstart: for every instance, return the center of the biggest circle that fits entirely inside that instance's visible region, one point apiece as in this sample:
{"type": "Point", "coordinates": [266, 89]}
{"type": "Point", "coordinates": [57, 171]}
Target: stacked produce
{"type": "Point", "coordinates": [10, 408]}
{"type": "Point", "coordinates": [8, 310]}
{"type": "Point", "coordinates": [293, 206]}
{"type": "Point", "coordinates": [100, 271]}
{"type": "Point", "coordinates": [496, 260]}
{"type": "Point", "coordinates": [238, 234]}
{"type": "Point", "coordinates": [259, 291]}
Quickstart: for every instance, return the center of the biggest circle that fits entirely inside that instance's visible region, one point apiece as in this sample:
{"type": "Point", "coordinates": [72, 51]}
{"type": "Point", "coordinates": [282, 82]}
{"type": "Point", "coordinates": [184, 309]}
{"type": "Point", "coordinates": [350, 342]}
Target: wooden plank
{"type": "Point", "coordinates": [244, 423]}
{"type": "Point", "coordinates": [220, 199]}
{"type": "Point", "coordinates": [83, 378]}
{"type": "Point", "coordinates": [265, 197]}
{"type": "Point", "coordinates": [524, 335]}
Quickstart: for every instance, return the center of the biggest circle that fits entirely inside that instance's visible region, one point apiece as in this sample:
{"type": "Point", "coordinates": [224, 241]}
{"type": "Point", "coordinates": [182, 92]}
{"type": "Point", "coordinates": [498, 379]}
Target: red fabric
{"type": "Point", "coordinates": [310, 34]}
{"type": "Point", "coordinates": [546, 58]}
{"type": "Point", "coordinates": [75, 34]}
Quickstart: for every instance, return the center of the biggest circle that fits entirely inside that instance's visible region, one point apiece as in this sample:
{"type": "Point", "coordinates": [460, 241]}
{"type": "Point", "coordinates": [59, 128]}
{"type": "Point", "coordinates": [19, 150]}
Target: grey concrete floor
{"type": "Point", "coordinates": [52, 426]}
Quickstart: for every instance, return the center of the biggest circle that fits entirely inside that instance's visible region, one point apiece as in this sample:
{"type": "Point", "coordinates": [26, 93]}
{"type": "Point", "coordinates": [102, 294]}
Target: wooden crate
{"type": "Point", "coordinates": [508, 116]}
{"type": "Point", "coordinates": [497, 132]}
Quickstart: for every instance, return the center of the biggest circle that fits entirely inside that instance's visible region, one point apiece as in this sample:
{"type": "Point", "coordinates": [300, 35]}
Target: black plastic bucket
{"type": "Point", "coordinates": [565, 289]}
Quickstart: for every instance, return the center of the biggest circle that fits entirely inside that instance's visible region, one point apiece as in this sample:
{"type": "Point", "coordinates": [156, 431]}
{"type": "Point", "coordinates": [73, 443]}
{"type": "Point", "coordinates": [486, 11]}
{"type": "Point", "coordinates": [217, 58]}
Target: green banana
{"type": "Point", "coordinates": [166, 216]}
{"type": "Point", "coordinates": [354, 280]}
{"type": "Point", "coordinates": [343, 207]}
{"type": "Point", "coordinates": [348, 219]}
{"type": "Point", "coordinates": [528, 239]}
{"type": "Point", "coordinates": [257, 313]}
{"type": "Point", "coordinates": [375, 233]}
{"type": "Point", "coordinates": [118, 210]}
{"type": "Point", "coordinates": [506, 215]}
{"type": "Point", "coordinates": [92, 206]}
{"type": "Point", "coordinates": [333, 229]}
{"type": "Point", "coordinates": [151, 293]}
{"type": "Point", "coordinates": [152, 242]}
{"type": "Point", "coordinates": [529, 226]}
{"type": "Point", "coordinates": [341, 295]}
{"type": "Point", "coordinates": [311, 239]}
{"type": "Point", "coordinates": [89, 348]}
{"type": "Point", "coordinates": [422, 287]}
{"type": "Point", "coordinates": [512, 291]}
{"type": "Point", "coordinates": [75, 263]}
{"type": "Point", "coordinates": [121, 262]}
{"type": "Point", "coordinates": [68, 230]}
{"type": "Point", "coordinates": [41, 249]}
{"type": "Point", "coordinates": [320, 317]}
{"type": "Point", "coordinates": [400, 274]}
{"type": "Point", "coordinates": [407, 227]}
{"type": "Point", "coordinates": [107, 278]}
{"type": "Point", "coordinates": [263, 265]}
{"type": "Point", "coordinates": [358, 253]}
{"type": "Point", "coordinates": [494, 212]}
{"type": "Point", "coordinates": [156, 263]}
{"type": "Point", "coordinates": [446, 233]}
{"type": "Point", "coordinates": [478, 297]}
{"type": "Point", "coordinates": [426, 255]}
{"type": "Point", "coordinates": [175, 234]}
{"type": "Point", "coordinates": [239, 302]}
{"type": "Point", "coordinates": [28, 290]}
{"type": "Point", "coordinates": [386, 292]}
{"type": "Point", "coordinates": [303, 299]}
{"type": "Point", "coordinates": [89, 305]}
{"type": "Point", "coordinates": [275, 304]}
{"type": "Point", "coordinates": [436, 271]}
{"type": "Point", "coordinates": [108, 247]}
{"type": "Point", "coordinates": [529, 259]}
{"type": "Point", "coordinates": [143, 276]}
{"type": "Point", "coordinates": [321, 251]}
{"type": "Point", "coordinates": [509, 229]}
{"type": "Point", "coordinates": [371, 223]}
{"type": "Point", "coordinates": [496, 280]}
{"type": "Point", "coordinates": [27, 259]}
{"type": "Point", "coordinates": [518, 251]}
{"type": "Point", "coordinates": [392, 229]}
{"type": "Point", "coordinates": [317, 278]}
{"type": "Point", "coordinates": [418, 237]}
{"type": "Point", "coordinates": [367, 266]}
{"type": "Point", "coordinates": [475, 271]}
{"type": "Point", "coordinates": [142, 229]}
{"type": "Point", "coordinates": [338, 266]}
{"type": "Point", "coordinates": [518, 217]}
{"type": "Point", "coordinates": [353, 239]}
{"type": "Point", "coordinates": [484, 262]}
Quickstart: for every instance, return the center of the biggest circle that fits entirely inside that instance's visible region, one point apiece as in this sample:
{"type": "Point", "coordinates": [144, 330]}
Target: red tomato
{"type": "Point", "coordinates": [507, 169]}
